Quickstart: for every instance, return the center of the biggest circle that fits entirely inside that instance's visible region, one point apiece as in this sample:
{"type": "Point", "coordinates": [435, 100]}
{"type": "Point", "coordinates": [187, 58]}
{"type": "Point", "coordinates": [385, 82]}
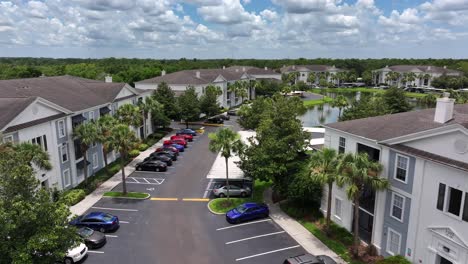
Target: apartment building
{"type": "Point", "coordinates": [45, 110]}
{"type": "Point", "coordinates": [303, 71]}
{"type": "Point", "coordinates": [424, 214]}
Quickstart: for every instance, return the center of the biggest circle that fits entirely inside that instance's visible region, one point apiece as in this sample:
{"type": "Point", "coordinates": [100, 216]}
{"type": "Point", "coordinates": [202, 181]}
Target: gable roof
{"type": "Point", "coordinates": [421, 68]}
{"type": "Point", "coordinates": [306, 68]}
{"type": "Point", "coordinates": [12, 107]}
{"type": "Point", "coordinates": [386, 127]}
{"type": "Point", "coordinates": [253, 70]}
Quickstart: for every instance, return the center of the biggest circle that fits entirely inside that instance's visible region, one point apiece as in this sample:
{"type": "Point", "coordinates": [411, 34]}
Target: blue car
{"type": "Point", "coordinates": [247, 211]}
{"type": "Point", "coordinates": [186, 131]}
{"type": "Point", "coordinates": [99, 221]}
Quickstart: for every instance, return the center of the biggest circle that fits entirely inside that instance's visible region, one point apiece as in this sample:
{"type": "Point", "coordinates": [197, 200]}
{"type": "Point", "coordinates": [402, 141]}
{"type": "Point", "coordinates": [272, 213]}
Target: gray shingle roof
{"type": "Point", "coordinates": [315, 68]}
{"type": "Point", "coordinates": [396, 125]}
{"type": "Point", "coordinates": [11, 107]}
{"type": "Point", "coordinates": [421, 68]}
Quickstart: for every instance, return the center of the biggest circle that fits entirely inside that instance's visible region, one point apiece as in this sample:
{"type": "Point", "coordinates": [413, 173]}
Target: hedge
{"type": "Point", "coordinates": [73, 197]}
{"type": "Point", "coordinates": [394, 260]}
{"type": "Point", "coordinates": [143, 147]}
{"type": "Point", "coordinates": [134, 153]}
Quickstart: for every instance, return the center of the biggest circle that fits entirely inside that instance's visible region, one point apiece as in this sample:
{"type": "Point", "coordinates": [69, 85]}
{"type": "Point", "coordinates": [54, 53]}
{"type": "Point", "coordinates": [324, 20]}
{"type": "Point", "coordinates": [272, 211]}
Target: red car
{"type": "Point", "coordinates": [178, 141]}
{"type": "Point", "coordinates": [167, 148]}
{"type": "Point", "coordinates": [183, 136]}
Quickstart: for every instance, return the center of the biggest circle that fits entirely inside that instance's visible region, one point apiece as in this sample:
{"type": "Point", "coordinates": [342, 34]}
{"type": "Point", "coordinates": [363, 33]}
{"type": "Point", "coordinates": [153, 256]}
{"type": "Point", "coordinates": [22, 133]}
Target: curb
{"type": "Point", "coordinates": [211, 211]}
{"type": "Point", "coordinates": [129, 198]}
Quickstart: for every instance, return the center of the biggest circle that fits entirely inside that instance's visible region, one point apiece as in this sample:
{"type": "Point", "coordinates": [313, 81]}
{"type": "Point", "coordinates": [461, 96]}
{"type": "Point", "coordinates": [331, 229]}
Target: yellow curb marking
{"type": "Point", "coordinates": [196, 199]}
{"type": "Point", "coordinates": [164, 199]}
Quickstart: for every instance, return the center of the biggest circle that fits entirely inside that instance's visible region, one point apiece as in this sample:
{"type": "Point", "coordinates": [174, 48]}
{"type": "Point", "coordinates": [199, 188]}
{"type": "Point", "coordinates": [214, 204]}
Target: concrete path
{"type": "Point", "coordinates": [81, 207]}
{"type": "Point", "coordinates": [308, 241]}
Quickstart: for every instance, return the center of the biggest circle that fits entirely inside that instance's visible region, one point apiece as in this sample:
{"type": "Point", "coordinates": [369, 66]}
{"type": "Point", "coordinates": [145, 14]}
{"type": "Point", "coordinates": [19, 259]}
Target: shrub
{"type": "Point", "coordinates": [73, 197]}
{"type": "Point", "coordinates": [143, 147]}
{"type": "Point", "coordinates": [394, 260]}
{"type": "Point", "coordinates": [134, 153]}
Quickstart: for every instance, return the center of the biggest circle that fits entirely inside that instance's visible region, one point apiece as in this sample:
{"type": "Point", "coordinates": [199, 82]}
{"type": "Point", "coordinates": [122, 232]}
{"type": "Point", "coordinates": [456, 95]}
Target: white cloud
{"type": "Point", "coordinates": [269, 14]}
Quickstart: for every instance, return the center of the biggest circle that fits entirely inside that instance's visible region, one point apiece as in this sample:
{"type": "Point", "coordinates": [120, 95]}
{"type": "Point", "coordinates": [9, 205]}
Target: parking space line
{"type": "Point", "coordinates": [269, 252]}
{"type": "Point", "coordinates": [93, 251]}
{"type": "Point", "coordinates": [164, 199]}
{"type": "Point", "coordinates": [116, 209]}
{"type": "Point", "coordinates": [195, 199]}
{"type": "Point", "coordinates": [206, 194]}
{"type": "Point", "coordinates": [249, 238]}
{"type": "Point", "coordinates": [249, 223]}
{"type": "Point", "coordinates": [110, 236]}
{"type": "Point", "coordinates": [146, 180]}
{"type": "Point", "coordinates": [124, 222]}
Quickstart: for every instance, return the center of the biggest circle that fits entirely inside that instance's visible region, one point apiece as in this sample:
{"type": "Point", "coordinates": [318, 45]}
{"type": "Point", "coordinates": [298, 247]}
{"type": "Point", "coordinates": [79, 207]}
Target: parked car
{"type": "Point", "coordinates": [187, 131]}
{"type": "Point", "coordinates": [180, 148]}
{"type": "Point", "coordinates": [76, 254]}
{"type": "Point", "coordinates": [102, 222]}
{"type": "Point", "coordinates": [92, 238]}
{"type": "Point", "coordinates": [169, 154]}
{"type": "Point", "coordinates": [233, 191]}
{"type": "Point", "coordinates": [224, 117]}
{"type": "Point", "coordinates": [162, 158]}
{"type": "Point", "coordinates": [309, 259]}
{"type": "Point", "coordinates": [168, 148]}
{"type": "Point", "coordinates": [215, 120]}
{"type": "Point", "coordinates": [232, 112]}
{"type": "Point", "coordinates": [183, 136]}
{"type": "Point", "coordinates": [178, 141]}
{"type": "Point", "coordinates": [153, 165]}
{"type": "Point", "coordinates": [247, 211]}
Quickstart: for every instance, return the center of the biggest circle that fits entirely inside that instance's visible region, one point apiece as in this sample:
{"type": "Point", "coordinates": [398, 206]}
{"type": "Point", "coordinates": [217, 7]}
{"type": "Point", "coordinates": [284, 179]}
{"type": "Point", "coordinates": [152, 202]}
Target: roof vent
{"type": "Point", "coordinates": [445, 66]}
{"type": "Point", "coordinates": [444, 109]}
{"type": "Point", "coordinates": [163, 72]}
{"type": "Point", "coordinates": [224, 67]}
{"type": "Point", "coordinates": [243, 69]}
{"type": "Point", "coordinates": [197, 74]}
{"type": "Point", "coordinates": [266, 68]}
{"type": "Point", "coordinates": [294, 67]}
{"type": "Point", "coordinates": [108, 78]}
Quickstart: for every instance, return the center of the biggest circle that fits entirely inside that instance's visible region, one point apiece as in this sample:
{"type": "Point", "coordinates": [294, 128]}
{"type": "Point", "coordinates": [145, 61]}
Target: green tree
{"type": "Point", "coordinates": [228, 143]}
{"type": "Point", "coordinates": [21, 201]}
{"type": "Point", "coordinates": [87, 134]}
{"type": "Point", "coordinates": [130, 115]}
{"type": "Point", "coordinates": [104, 127]}
{"type": "Point", "coordinates": [267, 87]}
{"type": "Point", "coordinates": [209, 101]}
{"type": "Point", "coordinates": [367, 77]}
{"type": "Point", "coordinates": [369, 105]}
{"type": "Point", "coordinates": [166, 97]}
{"type": "Point", "coordinates": [251, 115]}
{"type": "Point", "coordinates": [395, 101]}
{"type": "Point", "coordinates": [392, 77]}
{"type": "Point", "coordinates": [312, 78]}
{"type": "Point", "coordinates": [340, 102]}
{"type": "Point", "coordinates": [357, 172]}
{"type": "Point", "coordinates": [123, 139]}
{"type": "Point", "coordinates": [323, 169]}
{"type": "Point", "coordinates": [189, 105]}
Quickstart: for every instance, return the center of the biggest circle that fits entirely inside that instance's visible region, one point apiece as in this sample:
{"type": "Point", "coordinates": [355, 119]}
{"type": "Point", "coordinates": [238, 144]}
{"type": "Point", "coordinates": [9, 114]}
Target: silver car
{"type": "Point", "coordinates": [233, 191]}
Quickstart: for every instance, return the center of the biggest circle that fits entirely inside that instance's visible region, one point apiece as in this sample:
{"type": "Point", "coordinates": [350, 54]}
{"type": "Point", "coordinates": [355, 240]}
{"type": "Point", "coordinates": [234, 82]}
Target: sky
{"type": "Point", "coordinates": [261, 29]}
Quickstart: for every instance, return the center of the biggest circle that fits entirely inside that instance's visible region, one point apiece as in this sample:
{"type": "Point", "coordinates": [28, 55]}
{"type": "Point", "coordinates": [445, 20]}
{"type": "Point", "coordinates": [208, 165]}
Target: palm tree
{"type": "Point", "coordinates": [323, 169]}
{"type": "Point", "coordinates": [105, 124]}
{"type": "Point", "coordinates": [123, 139]}
{"type": "Point", "coordinates": [393, 77]}
{"type": "Point", "coordinates": [340, 102]}
{"type": "Point", "coordinates": [87, 134]}
{"type": "Point", "coordinates": [129, 115]}
{"type": "Point", "coordinates": [312, 78]}
{"type": "Point", "coordinates": [149, 105]}
{"type": "Point", "coordinates": [228, 143]}
{"type": "Point", "coordinates": [410, 77]}
{"type": "Point", "coordinates": [356, 171]}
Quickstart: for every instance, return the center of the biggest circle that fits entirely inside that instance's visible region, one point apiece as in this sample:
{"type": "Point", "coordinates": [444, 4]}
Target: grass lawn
{"type": "Point", "coordinates": [138, 195]}
{"type": "Point", "coordinates": [325, 99]}
{"type": "Point", "coordinates": [219, 205]}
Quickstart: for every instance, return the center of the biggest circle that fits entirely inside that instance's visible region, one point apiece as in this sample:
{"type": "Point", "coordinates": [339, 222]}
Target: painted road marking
{"type": "Point", "coordinates": [269, 252]}
{"type": "Point", "coordinates": [139, 180]}
{"type": "Point", "coordinates": [195, 199]}
{"type": "Point", "coordinates": [249, 223]}
{"type": "Point", "coordinates": [207, 190]}
{"type": "Point", "coordinates": [124, 222]}
{"type": "Point", "coordinates": [249, 238]}
{"type": "Point", "coordinates": [116, 209]}
{"type": "Point", "coordinates": [164, 199]}
{"type": "Point", "coordinates": [111, 236]}
{"type": "Point", "coordinates": [97, 252]}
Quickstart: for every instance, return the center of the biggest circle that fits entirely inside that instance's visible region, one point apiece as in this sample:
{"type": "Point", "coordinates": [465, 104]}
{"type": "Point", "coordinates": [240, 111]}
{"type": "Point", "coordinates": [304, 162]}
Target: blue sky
{"type": "Point", "coordinates": [234, 28]}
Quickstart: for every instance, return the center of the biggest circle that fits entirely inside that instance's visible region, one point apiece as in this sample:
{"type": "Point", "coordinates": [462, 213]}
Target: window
{"type": "Point", "coordinates": [64, 152]}
{"type": "Point", "coordinates": [8, 139]}
{"type": "Point", "coordinates": [401, 169]}
{"type": "Point", "coordinates": [66, 177]}
{"type": "Point", "coordinates": [338, 207]}
{"type": "Point", "coordinates": [95, 161]}
{"type": "Point", "coordinates": [41, 141]}
{"type": "Point", "coordinates": [454, 201]}
{"type": "Point", "coordinates": [61, 128]}
{"type": "Point", "coordinates": [441, 197]}
{"type": "Point", "coordinates": [465, 209]}
{"type": "Point", "coordinates": [341, 145]}
{"type": "Point", "coordinates": [393, 242]}
{"type": "Point", "coordinates": [398, 203]}
{"type": "Point", "coordinates": [91, 116]}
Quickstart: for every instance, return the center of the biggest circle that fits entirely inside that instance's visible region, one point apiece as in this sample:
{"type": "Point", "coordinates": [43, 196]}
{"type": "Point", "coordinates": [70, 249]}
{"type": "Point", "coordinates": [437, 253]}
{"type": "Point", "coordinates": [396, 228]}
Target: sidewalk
{"type": "Point", "coordinates": [308, 241]}
{"type": "Point", "coordinates": [92, 198]}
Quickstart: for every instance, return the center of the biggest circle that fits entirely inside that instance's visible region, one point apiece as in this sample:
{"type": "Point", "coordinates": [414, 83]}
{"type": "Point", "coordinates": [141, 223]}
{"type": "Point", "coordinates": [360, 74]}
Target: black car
{"type": "Point", "coordinates": [309, 259]}
{"type": "Point", "coordinates": [162, 158]}
{"type": "Point", "coordinates": [168, 154]}
{"type": "Point", "coordinates": [215, 120]}
{"type": "Point", "coordinates": [153, 165]}
{"type": "Point", "coordinates": [186, 131]}
{"type": "Point", "coordinates": [224, 117]}
{"type": "Point", "coordinates": [92, 239]}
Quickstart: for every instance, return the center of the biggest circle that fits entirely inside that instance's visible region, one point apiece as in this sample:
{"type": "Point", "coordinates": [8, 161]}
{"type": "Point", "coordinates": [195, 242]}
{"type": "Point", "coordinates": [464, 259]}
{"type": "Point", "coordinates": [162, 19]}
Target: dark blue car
{"type": "Point", "coordinates": [247, 211]}
{"type": "Point", "coordinates": [99, 221]}
{"type": "Point", "coordinates": [186, 131]}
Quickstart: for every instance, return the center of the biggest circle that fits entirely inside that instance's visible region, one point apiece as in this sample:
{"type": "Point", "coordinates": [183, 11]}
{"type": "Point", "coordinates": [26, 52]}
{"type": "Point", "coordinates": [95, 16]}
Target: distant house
{"type": "Point", "coordinates": [45, 110]}
{"type": "Point", "coordinates": [424, 153]}
{"type": "Point", "coordinates": [303, 71]}
{"type": "Point", "coordinates": [421, 75]}
{"type": "Point", "coordinates": [179, 81]}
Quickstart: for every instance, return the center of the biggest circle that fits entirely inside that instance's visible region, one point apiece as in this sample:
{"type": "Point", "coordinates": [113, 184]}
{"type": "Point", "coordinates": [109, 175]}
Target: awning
{"type": "Point", "coordinates": [78, 119]}
{"type": "Point", "coordinates": [80, 165]}
{"type": "Point", "coordinates": [104, 110]}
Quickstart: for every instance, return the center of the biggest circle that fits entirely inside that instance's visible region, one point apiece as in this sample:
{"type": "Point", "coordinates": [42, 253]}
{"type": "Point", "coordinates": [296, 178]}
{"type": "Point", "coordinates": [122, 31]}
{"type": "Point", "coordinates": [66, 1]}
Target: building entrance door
{"type": "Point", "coordinates": [442, 260]}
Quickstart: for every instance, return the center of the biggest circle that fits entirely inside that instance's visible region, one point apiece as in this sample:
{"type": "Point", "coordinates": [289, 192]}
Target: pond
{"type": "Point", "coordinates": [325, 114]}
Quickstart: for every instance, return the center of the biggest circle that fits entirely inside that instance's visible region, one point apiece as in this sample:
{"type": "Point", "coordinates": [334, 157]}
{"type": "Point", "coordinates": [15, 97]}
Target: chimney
{"type": "Point", "coordinates": [266, 68]}
{"type": "Point", "coordinates": [445, 66]}
{"type": "Point", "coordinates": [294, 67]}
{"type": "Point", "coordinates": [197, 74]}
{"type": "Point", "coordinates": [428, 68]}
{"type": "Point", "coordinates": [444, 109]}
{"type": "Point", "coordinates": [163, 72]}
{"type": "Point", "coordinates": [243, 69]}
{"type": "Point", "coordinates": [224, 67]}
{"type": "Point", "coordinates": [108, 78]}
{"type": "Point", "coordinates": [237, 70]}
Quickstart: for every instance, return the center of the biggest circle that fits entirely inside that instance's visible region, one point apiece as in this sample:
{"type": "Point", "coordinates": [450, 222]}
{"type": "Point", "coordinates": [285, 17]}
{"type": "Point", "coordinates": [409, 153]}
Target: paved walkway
{"type": "Point", "coordinates": [92, 198]}
{"type": "Point", "coordinates": [308, 241]}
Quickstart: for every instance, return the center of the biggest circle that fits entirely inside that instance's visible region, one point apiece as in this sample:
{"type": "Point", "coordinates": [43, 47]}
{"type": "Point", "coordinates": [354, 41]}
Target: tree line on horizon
{"type": "Point", "coordinates": [132, 70]}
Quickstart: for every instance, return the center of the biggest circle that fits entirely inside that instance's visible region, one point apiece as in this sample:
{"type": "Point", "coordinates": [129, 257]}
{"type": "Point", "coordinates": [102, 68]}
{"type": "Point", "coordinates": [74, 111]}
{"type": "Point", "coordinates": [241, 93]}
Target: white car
{"type": "Point", "coordinates": [76, 254]}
